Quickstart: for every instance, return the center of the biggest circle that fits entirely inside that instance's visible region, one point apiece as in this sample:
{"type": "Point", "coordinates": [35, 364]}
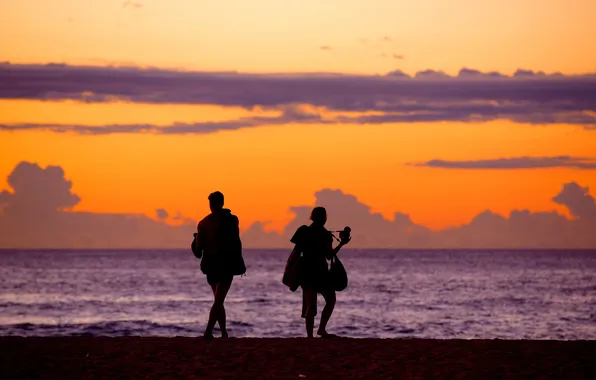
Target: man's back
{"type": "Point", "coordinates": [219, 238]}
{"type": "Point", "coordinates": [218, 232]}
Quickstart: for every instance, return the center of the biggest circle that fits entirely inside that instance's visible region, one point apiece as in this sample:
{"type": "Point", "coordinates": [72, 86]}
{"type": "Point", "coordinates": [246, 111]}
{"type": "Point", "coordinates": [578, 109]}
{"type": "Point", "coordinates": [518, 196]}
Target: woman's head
{"type": "Point", "coordinates": [319, 215]}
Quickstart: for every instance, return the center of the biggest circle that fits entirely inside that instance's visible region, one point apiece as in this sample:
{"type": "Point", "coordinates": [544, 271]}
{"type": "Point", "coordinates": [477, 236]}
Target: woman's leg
{"type": "Point", "coordinates": [329, 296]}
{"type": "Point", "coordinates": [217, 309]}
{"type": "Point", "coordinates": [309, 299]}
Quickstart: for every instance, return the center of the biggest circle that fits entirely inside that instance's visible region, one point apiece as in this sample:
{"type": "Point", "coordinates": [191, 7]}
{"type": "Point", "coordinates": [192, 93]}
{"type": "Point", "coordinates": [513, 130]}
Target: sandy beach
{"type": "Point", "coordinates": [136, 357]}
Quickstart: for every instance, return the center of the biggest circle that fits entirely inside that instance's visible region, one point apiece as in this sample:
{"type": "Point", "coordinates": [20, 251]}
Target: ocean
{"type": "Point", "coordinates": [438, 294]}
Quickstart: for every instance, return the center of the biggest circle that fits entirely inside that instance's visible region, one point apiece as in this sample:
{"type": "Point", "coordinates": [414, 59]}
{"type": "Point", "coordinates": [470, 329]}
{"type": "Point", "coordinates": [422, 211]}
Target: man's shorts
{"type": "Point", "coordinates": [219, 278]}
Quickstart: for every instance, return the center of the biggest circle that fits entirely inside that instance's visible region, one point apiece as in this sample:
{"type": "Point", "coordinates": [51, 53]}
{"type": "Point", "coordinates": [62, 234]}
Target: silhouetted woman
{"type": "Point", "coordinates": [316, 244]}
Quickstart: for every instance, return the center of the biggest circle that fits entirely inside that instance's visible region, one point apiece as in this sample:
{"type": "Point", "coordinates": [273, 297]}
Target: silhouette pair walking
{"type": "Point", "coordinates": [217, 243]}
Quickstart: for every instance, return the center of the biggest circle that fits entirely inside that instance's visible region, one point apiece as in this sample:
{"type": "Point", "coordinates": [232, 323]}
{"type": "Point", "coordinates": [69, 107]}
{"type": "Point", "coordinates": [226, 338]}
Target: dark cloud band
{"type": "Point", "coordinates": [429, 96]}
{"type": "Point", "coordinates": [515, 163]}
{"type": "Point", "coordinates": [288, 115]}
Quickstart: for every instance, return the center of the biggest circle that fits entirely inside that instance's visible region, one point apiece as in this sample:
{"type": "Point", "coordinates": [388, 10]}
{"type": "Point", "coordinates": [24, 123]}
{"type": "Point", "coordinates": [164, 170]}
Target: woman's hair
{"type": "Point", "coordinates": [318, 214]}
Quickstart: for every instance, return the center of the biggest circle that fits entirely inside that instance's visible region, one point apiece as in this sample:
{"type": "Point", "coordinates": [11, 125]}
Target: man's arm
{"type": "Point", "coordinates": [199, 241]}
{"type": "Point", "coordinates": [236, 225]}
{"type": "Point", "coordinates": [236, 232]}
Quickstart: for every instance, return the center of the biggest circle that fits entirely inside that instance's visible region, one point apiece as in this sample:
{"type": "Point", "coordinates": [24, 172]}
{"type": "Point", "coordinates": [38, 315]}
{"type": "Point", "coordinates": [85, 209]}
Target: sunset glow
{"type": "Point", "coordinates": [266, 168]}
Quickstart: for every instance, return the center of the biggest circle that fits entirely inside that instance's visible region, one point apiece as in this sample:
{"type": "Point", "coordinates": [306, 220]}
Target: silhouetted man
{"type": "Point", "coordinates": [218, 237]}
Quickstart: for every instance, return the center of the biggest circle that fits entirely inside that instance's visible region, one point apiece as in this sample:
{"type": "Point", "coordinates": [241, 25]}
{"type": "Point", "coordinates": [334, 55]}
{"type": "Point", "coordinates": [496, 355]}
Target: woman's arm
{"type": "Point", "coordinates": [333, 251]}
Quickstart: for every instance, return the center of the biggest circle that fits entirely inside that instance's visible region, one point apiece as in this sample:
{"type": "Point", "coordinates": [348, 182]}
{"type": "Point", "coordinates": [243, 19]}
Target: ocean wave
{"type": "Point", "coordinates": [402, 295]}
{"type": "Point", "coordinates": [109, 328]}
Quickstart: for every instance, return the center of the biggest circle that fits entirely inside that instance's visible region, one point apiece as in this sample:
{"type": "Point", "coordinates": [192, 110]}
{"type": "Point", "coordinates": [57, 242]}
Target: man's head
{"type": "Point", "coordinates": [216, 201]}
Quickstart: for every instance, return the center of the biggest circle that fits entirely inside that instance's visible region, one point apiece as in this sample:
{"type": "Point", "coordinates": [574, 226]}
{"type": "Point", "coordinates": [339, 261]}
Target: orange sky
{"type": "Point", "coordinates": [270, 35]}
{"type": "Point", "coordinates": [269, 169]}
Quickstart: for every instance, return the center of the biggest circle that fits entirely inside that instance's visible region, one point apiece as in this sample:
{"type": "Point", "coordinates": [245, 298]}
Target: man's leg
{"type": "Point", "coordinates": [221, 317]}
{"type": "Point", "coordinates": [221, 290]}
{"type": "Point", "coordinates": [329, 296]}
{"type": "Point", "coordinates": [309, 295]}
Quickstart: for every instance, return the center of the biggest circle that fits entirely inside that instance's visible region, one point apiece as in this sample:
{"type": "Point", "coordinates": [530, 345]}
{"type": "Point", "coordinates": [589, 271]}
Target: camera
{"type": "Point", "coordinates": [345, 234]}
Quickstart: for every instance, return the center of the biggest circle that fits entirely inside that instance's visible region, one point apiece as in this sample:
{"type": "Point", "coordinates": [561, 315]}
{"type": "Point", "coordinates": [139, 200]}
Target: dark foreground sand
{"type": "Point", "coordinates": [181, 358]}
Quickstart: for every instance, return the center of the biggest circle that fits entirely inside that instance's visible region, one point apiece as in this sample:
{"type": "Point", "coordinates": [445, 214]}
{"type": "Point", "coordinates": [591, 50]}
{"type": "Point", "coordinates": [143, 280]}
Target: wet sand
{"type": "Point", "coordinates": [182, 358]}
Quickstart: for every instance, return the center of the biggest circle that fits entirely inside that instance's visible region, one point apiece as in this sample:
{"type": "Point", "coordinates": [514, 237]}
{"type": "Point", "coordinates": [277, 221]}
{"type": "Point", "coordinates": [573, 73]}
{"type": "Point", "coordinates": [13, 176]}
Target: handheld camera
{"type": "Point", "coordinates": [343, 234]}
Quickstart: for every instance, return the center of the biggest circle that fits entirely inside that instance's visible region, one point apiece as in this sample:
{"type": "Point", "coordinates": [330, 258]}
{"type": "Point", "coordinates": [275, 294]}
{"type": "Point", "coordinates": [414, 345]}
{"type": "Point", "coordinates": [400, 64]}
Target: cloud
{"type": "Point", "coordinates": [289, 114]}
{"type": "Point", "coordinates": [368, 228]}
{"type": "Point", "coordinates": [397, 74]}
{"type": "Point", "coordinates": [528, 74]}
{"type": "Point", "coordinates": [578, 201]}
{"type": "Point", "coordinates": [296, 114]}
{"type": "Point", "coordinates": [176, 128]}
{"type": "Point", "coordinates": [394, 56]}
{"type": "Point", "coordinates": [514, 163]}
{"type": "Point", "coordinates": [396, 114]}
{"type": "Point", "coordinates": [325, 47]}
{"type": "Point", "coordinates": [256, 236]}
{"type": "Point", "coordinates": [161, 214]}
{"type": "Point", "coordinates": [37, 212]}
{"type": "Point", "coordinates": [431, 74]}
{"type": "Point", "coordinates": [428, 96]}
{"type": "Point", "coordinates": [179, 217]}
{"type": "Point", "coordinates": [520, 229]}
{"type": "Point", "coordinates": [132, 4]}
{"type": "Point", "coordinates": [37, 191]}
{"type": "Point", "coordinates": [475, 74]}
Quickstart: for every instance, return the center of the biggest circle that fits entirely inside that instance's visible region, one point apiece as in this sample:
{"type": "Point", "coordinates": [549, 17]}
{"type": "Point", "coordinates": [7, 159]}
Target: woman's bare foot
{"type": "Point", "coordinates": [224, 334]}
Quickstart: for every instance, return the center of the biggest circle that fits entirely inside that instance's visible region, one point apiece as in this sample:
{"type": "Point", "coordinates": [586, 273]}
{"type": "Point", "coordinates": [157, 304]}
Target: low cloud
{"type": "Point", "coordinates": [579, 202]}
{"type": "Point", "coordinates": [521, 73]}
{"type": "Point", "coordinates": [326, 48]}
{"type": "Point", "coordinates": [397, 74]}
{"type": "Point", "coordinates": [161, 214]}
{"type": "Point", "coordinates": [470, 96]}
{"type": "Point", "coordinates": [520, 229]}
{"type": "Point", "coordinates": [368, 229]}
{"type": "Point", "coordinates": [256, 236]}
{"type": "Point", "coordinates": [431, 74]}
{"type": "Point", "coordinates": [37, 211]}
{"type": "Point", "coordinates": [475, 74]}
{"type": "Point", "coordinates": [514, 163]}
